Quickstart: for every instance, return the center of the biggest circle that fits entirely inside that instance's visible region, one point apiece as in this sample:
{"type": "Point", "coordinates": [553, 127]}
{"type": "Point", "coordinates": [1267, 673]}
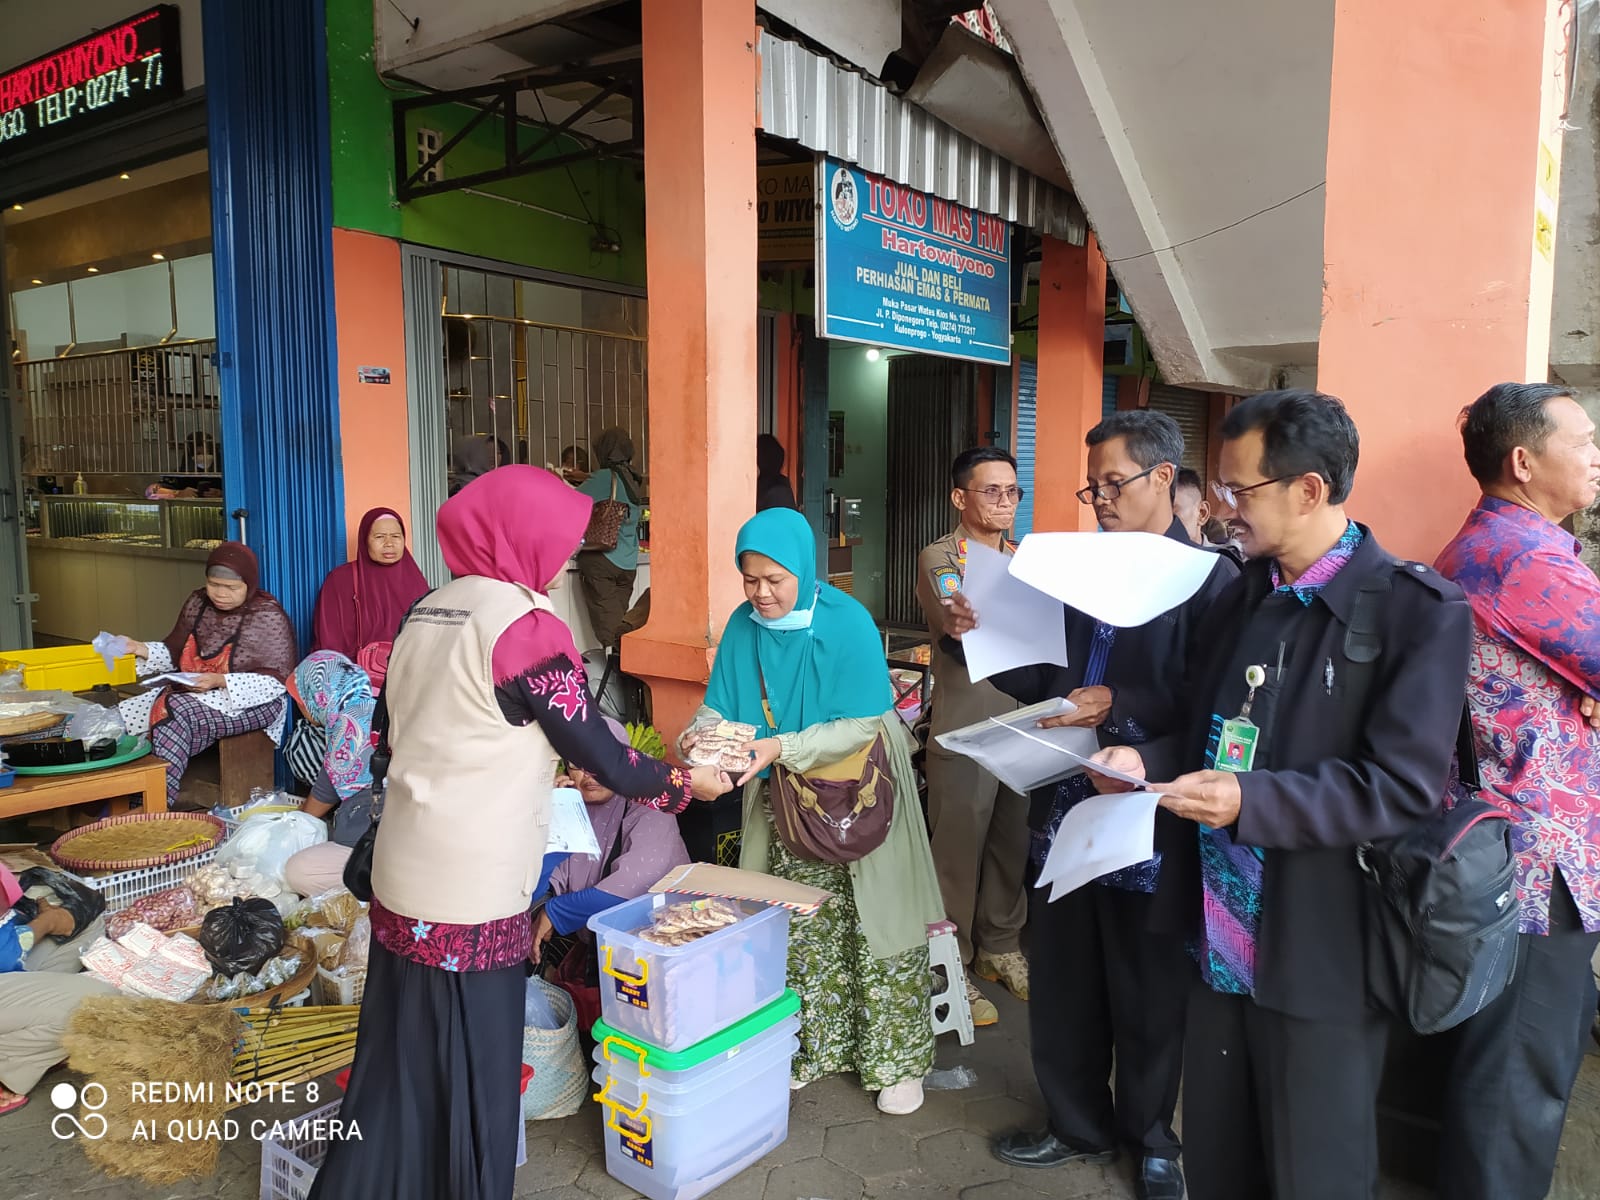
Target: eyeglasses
{"type": "Point", "coordinates": [995, 494]}
{"type": "Point", "coordinates": [1110, 491]}
{"type": "Point", "coordinates": [1230, 495]}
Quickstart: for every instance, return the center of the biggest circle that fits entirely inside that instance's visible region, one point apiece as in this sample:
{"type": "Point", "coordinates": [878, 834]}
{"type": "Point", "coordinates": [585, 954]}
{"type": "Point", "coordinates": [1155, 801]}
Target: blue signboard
{"type": "Point", "coordinates": [908, 271]}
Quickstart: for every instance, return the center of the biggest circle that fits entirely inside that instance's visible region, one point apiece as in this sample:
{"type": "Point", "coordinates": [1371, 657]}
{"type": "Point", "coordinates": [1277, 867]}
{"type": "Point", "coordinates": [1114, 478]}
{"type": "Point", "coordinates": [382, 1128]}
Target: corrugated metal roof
{"type": "Point", "coordinates": [826, 108]}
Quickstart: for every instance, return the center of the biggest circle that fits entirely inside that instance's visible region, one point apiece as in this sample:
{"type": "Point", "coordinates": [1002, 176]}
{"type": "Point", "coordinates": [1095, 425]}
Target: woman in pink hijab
{"type": "Point", "coordinates": [362, 602]}
{"type": "Point", "coordinates": [485, 691]}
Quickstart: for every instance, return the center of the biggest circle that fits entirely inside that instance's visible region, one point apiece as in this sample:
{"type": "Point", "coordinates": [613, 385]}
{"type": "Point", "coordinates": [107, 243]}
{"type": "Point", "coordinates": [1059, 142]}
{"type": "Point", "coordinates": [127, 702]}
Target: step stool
{"type": "Point", "coordinates": [951, 1000]}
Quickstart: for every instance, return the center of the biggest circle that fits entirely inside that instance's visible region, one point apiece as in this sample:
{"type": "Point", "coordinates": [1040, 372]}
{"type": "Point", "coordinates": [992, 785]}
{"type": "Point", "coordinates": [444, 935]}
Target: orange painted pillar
{"type": "Point", "coordinates": [373, 423]}
{"type": "Point", "coordinates": [1444, 152]}
{"type": "Point", "coordinates": [1072, 334]}
{"type": "Point", "coordinates": [700, 231]}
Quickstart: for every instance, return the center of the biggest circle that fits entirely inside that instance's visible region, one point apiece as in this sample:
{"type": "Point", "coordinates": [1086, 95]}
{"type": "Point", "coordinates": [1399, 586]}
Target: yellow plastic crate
{"type": "Point", "coordinates": [67, 668]}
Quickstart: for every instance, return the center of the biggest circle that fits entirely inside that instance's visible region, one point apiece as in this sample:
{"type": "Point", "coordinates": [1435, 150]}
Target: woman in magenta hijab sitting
{"type": "Point", "coordinates": [362, 602]}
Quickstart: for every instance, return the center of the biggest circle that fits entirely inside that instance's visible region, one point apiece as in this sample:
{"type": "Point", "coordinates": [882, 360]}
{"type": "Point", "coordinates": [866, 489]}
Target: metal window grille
{"type": "Point", "coordinates": [138, 411]}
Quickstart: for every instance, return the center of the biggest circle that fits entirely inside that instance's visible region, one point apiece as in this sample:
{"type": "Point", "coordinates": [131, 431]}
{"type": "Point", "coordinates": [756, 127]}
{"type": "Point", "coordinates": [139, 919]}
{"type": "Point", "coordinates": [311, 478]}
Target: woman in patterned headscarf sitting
{"type": "Point", "coordinates": [234, 646]}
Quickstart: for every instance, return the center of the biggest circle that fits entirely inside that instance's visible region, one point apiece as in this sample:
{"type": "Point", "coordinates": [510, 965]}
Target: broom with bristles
{"type": "Point", "coordinates": [123, 1044]}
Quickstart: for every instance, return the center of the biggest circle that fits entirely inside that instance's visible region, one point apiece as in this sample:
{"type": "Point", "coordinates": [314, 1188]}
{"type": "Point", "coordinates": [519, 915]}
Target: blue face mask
{"type": "Point", "coordinates": [795, 618]}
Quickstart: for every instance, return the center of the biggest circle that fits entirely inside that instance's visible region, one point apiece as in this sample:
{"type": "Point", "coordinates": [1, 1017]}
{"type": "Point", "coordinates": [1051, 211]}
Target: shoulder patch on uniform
{"type": "Point", "coordinates": [1429, 578]}
{"type": "Point", "coordinates": [946, 581]}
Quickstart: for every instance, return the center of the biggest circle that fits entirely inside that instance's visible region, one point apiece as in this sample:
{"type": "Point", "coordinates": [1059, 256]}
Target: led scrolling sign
{"type": "Point", "coordinates": [124, 68]}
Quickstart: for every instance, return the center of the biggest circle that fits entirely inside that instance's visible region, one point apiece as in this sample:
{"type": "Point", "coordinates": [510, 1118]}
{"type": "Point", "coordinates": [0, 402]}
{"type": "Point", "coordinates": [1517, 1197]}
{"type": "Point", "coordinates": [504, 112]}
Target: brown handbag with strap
{"type": "Point", "coordinates": [606, 520]}
{"type": "Point", "coordinates": [835, 813]}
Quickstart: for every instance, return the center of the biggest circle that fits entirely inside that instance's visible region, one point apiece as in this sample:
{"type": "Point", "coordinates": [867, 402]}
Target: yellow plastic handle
{"type": "Point", "coordinates": [618, 1109]}
{"type": "Point", "coordinates": [637, 1051]}
{"type": "Point", "coordinates": [639, 980]}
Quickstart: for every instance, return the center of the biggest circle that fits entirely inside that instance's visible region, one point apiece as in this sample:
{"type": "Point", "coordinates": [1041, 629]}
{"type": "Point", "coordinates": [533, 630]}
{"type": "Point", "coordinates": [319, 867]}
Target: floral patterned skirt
{"type": "Point", "coordinates": [857, 1013]}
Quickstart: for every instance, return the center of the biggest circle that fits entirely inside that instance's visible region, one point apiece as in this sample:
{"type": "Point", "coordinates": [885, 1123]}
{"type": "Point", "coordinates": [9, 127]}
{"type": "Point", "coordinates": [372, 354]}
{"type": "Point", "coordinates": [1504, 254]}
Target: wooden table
{"type": "Point", "coordinates": [146, 777]}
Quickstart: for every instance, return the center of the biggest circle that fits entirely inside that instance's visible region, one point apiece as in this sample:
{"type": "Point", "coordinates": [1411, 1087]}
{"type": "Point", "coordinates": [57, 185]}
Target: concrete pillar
{"type": "Point", "coordinates": [1072, 334]}
{"type": "Point", "coordinates": [1444, 151]}
{"type": "Point", "coordinates": [700, 74]}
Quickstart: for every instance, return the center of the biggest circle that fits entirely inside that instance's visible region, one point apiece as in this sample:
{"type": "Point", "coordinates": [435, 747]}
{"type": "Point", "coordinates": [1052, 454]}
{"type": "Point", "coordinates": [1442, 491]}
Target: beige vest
{"type": "Point", "coordinates": [467, 810]}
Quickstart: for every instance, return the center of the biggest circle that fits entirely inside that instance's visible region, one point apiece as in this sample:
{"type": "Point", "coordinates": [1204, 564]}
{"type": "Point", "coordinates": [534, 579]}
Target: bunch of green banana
{"type": "Point", "coordinates": [646, 740]}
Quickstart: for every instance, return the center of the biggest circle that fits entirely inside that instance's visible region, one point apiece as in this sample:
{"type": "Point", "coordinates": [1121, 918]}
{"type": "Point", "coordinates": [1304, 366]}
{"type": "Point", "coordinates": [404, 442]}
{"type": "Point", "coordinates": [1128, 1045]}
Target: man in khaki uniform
{"type": "Point", "coordinates": [979, 827]}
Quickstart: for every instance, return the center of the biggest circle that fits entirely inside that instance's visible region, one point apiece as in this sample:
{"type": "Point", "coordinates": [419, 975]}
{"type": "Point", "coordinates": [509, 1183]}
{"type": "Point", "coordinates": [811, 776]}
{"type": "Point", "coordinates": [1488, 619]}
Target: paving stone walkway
{"type": "Point", "coordinates": [839, 1147]}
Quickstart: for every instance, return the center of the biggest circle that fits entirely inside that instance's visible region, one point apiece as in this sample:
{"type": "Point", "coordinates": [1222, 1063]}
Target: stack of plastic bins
{"type": "Point", "coordinates": [680, 1123]}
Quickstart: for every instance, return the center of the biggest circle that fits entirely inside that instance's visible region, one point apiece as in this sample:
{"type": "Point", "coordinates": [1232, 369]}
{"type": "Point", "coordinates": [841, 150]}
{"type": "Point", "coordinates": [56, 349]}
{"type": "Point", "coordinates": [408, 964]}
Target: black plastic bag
{"type": "Point", "coordinates": [242, 936]}
{"type": "Point", "coordinates": [79, 899]}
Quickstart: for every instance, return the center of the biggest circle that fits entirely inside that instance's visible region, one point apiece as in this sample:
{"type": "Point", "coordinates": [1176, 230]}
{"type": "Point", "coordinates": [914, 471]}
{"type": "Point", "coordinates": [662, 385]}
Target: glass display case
{"type": "Point", "coordinates": [187, 528]}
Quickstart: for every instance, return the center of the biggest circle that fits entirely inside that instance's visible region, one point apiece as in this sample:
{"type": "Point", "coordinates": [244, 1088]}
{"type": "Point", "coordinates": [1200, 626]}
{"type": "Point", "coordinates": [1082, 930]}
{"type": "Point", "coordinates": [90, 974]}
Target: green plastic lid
{"type": "Point", "coordinates": [619, 1045]}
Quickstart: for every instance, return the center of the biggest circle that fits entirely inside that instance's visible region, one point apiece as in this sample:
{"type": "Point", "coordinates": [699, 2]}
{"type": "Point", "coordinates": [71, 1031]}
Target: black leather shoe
{"type": "Point", "coordinates": [1024, 1149]}
{"type": "Point", "coordinates": [1159, 1179]}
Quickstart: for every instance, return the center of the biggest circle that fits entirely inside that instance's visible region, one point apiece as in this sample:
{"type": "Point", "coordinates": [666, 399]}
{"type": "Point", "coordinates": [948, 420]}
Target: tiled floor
{"type": "Point", "coordinates": [839, 1147]}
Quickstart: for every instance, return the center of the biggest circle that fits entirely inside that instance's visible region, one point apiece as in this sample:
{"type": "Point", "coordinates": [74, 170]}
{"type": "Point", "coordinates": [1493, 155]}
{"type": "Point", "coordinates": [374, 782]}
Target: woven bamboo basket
{"type": "Point", "coordinates": [31, 723]}
{"type": "Point", "coordinates": [136, 840]}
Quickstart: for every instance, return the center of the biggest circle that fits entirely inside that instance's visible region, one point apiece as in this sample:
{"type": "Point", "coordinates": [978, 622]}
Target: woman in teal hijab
{"type": "Point", "coordinates": [860, 964]}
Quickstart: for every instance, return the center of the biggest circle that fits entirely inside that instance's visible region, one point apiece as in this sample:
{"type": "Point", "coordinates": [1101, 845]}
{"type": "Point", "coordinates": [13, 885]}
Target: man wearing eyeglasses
{"type": "Point", "coordinates": [1322, 709]}
{"type": "Point", "coordinates": [1116, 988]}
{"type": "Point", "coordinates": [979, 828]}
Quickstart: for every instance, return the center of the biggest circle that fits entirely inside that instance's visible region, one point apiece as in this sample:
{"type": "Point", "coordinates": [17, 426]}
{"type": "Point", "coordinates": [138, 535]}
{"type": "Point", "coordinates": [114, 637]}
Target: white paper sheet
{"type": "Point", "coordinates": [1103, 833]}
{"type": "Point", "coordinates": [1018, 626]}
{"type": "Point", "coordinates": [570, 830]}
{"type": "Point", "coordinates": [1123, 579]}
{"type": "Point", "coordinates": [1019, 754]}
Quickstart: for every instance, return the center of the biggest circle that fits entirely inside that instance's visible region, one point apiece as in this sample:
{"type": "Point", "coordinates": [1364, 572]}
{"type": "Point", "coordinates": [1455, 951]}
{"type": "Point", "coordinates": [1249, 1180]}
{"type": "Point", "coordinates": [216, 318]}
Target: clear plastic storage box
{"type": "Point", "coordinates": [675, 996]}
{"type": "Point", "coordinates": [679, 1124]}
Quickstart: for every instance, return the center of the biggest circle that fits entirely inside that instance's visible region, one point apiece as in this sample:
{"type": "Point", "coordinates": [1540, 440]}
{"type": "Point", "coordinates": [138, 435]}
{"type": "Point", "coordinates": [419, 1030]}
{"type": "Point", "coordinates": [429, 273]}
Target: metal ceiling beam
{"type": "Point", "coordinates": [500, 100]}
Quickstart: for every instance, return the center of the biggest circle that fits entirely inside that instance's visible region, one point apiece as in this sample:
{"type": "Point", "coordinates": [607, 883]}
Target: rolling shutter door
{"type": "Point", "coordinates": [1192, 411]}
{"type": "Point", "coordinates": [1027, 409]}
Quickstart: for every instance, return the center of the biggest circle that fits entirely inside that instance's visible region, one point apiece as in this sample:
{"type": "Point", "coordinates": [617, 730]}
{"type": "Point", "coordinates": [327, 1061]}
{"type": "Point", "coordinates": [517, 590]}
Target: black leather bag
{"type": "Point", "coordinates": [358, 867]}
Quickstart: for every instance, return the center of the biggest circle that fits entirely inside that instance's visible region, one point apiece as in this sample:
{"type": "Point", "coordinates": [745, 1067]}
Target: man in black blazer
{"type": "Point", "coordinates": [1324, 701]}
{"type": "Point", "coordinates": [1109, 990]}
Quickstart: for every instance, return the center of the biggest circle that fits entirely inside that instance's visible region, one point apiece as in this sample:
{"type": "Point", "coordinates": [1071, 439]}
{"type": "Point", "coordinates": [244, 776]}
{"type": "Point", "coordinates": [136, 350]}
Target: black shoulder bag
{"type": "Point", "coordinates": [1441, 903]}
{"type": "Point", "coordinates": [358, 867]}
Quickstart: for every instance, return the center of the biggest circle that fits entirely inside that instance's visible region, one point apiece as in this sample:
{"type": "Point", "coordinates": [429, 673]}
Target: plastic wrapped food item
{"type": "Point", "coordinates": [356, 946]}
{"type": "Point", "coordinates": [266, 841]}
{"type": "Point", "coordinates": [280, 970]}
{"type": "Point", "coordinates": [174, 908]}
{"type": "Point", "coordinates": [94, 723]}
{"type": "Point", "coordinates": [141, 940]}
{"type": "Point", "coordinates": [680, 924]}
{"type": "Point", "coordinates": [336, 909]}
{"type": "Point", "coordinates": [215, 885]}
{"type": "Point", "coordinates": [224, 987]}
{"type": "Point", "coordinates": [242, 936]}
{"type": "Point", "coordinates": [108, 961]}
{"type": "Point", "coordinates": [162, 978]}
{"type": "Point", "coordinates": [719, 746]}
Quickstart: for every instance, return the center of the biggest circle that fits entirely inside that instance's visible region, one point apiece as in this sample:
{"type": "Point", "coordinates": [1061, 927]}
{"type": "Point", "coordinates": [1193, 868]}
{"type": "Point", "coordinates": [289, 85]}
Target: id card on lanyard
{"type": "Point", "coordinates": [1236, 745]}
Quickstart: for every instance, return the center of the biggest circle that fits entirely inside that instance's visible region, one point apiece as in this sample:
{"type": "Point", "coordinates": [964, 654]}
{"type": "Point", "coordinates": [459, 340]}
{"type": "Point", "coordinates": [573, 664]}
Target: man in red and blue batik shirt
{"type": "Point", "coordinates": [1535, 673]}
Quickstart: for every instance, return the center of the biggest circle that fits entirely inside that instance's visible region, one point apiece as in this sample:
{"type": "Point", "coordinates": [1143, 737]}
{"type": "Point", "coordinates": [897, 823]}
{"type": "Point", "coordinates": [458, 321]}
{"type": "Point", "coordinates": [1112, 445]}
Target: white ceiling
{"type": "Point", "coordinates": [181, 167]}
{"type": "Point", "coordinates": [1195, 136]}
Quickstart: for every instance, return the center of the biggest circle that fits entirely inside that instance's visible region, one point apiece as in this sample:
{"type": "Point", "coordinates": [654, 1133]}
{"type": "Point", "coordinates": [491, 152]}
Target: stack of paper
{"type": "Point", "coordinates": [1018, 753]}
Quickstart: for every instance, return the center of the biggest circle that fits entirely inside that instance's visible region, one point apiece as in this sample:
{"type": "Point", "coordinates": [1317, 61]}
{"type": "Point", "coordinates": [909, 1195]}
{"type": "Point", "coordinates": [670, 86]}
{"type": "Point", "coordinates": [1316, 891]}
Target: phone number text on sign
{"type": "Point", "coordinates": [129, 66]}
